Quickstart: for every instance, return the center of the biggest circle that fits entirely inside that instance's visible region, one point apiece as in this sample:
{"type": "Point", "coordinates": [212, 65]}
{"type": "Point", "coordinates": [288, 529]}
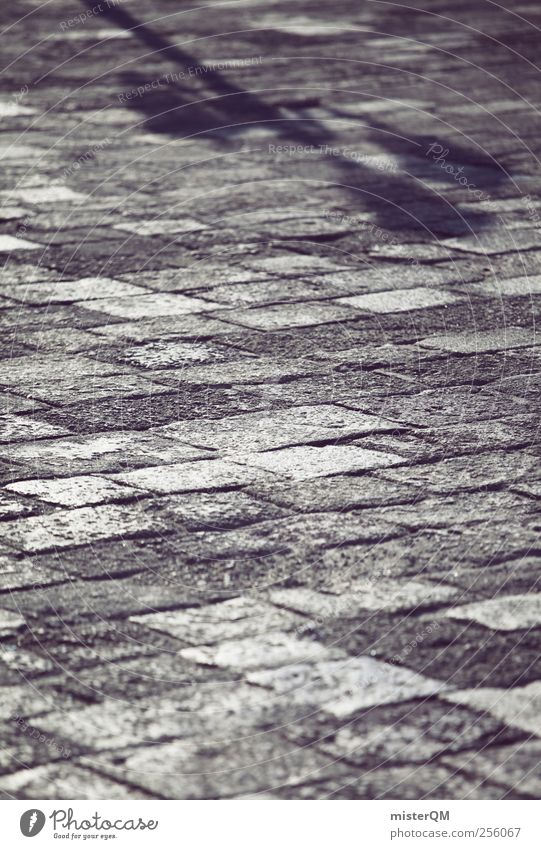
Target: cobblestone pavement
{"type": "Point", "coordinates": [269, 473]}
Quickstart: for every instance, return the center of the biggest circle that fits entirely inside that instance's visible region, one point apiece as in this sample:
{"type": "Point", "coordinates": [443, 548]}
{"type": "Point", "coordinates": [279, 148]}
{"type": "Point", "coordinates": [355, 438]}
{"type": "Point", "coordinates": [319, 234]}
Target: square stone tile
{"type": "Point", "coordinates": [401, 301]}
{"type": "Point", "coordinates": [74, 492]}
{"type": "Point", "coordinates": [249, 432]}
{"type": "Point", "coordinates": [10, 623]}
{"type": "Point", "coordinates": [47, 194]}
{"type": "Point", "coordinates": [260, 652]}
{"type": "Point", "coordinates": [81, 526]}
{"type": "Point", "coordinates": [222, 510]}
{"type": "Point", "coordinates": [191, 477]}
{"type": "Point", "coordinates": [86, 289]}
{"type": "Point", "coordinates": [26, 429]}
{"type": "Point", "coordinates": [343, 687]}
{"type": "Point", "coordinates": [203, 769]}
{"type": "Point", "coordinates": [309, 461]}
{"type": "Point", "coordinates": [291, 315]}
{"type": "Point", "coordinates": [515, 766]}
{"type": "Point", "coordinates": [111, 451]}
{"type": "Point", "coordinates": [291, 265]}
{"type": "Point", "coordinates": [67, 390]}
{"type": "Point", "coordinates": [518, 706]}
{"type": "Point", "coordinates": [468, 342]}
{"type": "Point", "coordinates": [12, 507]}
{"type": "Point", "coordinates": [11, 243]}
{"type": "Point", "coordinates": [163, 355]}
{"type": "Point", "coordinates": [505, 613]}
{"type": "Point", "coordinates": [161, 226]}
{"type": "Point", "coordinates": [510, 286]}
{"type": "Point", "coordinates": [149, 306]}
{"type": "Point", "coordinates": [383, 594]}
{"type": "Point", "coordinates": [64, 781]}
{"type": "Point", "coordinates": [229, 620]}
{"type": "Point", "coordinates": [35, 368]}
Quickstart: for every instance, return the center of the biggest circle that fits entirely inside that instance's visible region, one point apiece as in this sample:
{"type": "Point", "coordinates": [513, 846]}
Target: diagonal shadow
{"type": "Point", "coordinates": [217, 108]}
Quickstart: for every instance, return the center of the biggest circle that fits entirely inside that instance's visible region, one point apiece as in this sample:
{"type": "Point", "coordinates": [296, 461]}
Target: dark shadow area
{"type": "Point", "coordinates": [212, 106]}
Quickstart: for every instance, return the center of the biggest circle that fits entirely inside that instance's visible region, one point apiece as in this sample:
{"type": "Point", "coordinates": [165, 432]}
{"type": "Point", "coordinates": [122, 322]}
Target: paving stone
{"type": "Point", "coordinates": [461, 654]}
{"type": "Point", "coordinates": [74, 492]}
{"type": "Point", "coordinates": [246, 371]}
{"type": "Point", "coordinates": [410, 733]}
{"type": "Point", "coordinates": [363, 595]}
{"type": "Point", "coordinates": [291, 315]}
{"type": "Point", "coordinates": [99, 452]}
{"type": "Point", "coordinates": [23, 428]}
{"type": "Point", "coordinates": [401, 301]}
{"type": "Point", "coordinates": [273, 649]}
{"type": "Point", "coordinates": [150, 676]}
{"type": "Point", "coordinates": [263, 431]}
{"type": "Point", "coordinates": [259, 293]}
{"type": "Point", "coordinates": [532, 489]}
{"type": "Point", "coordinates": [518, 707]}
{"type": "Point", "coordinates": [16, 574]}
{"type": "Point", "coordinates": [427, 781]}
{"type": "Point", "coordinates": [507, 613]}
{"type": "Point", "coordinates": [16, 404]}
{"type": "Point", "coordinates": [94, 388]}
{"type": "Point", "coordinates": [64, 528]}
{"type": "Point", "coordinates": [10, 623]}
{"type": "Point", "coordinates": [89, 603]}
{"type": "Point", "coordinates": [476, 473]}
{"type": "Point", "coordinates": [154, 407]}
{"type": "Point", "coordinates": [209, 709]}
{"type": "Point", "coordinates": [108, 725]}
{"type": "Point", "coordinates": [196, 326]}
{"type": "Point", "coordinates": [191, 477]}
{"type": "Point", "coordinates": [479, 341]}
{"type": "Point", "coordinates": [86, 289]}
{"type": "Point", "coordinates": [62, 781]}
{"type": "Point", "coordinates": [342, 687]}
{"type": "Point", "coordinates": [291, 265]}
{"type": "Point", "coordinates": [47, 194]}
{"type": "Point", "coordinates": [12, 507]}
{"type": "Point", "coordinates": [25, 701]}
{"type": "Point", "coordinates": [337, 493]}
{"type": "Point", "coordinates": [217, 511]}
{"type": "Point", "coordinates": [190, 278]}
{"type": "Point", "coordinates": [166, 354]}
{"type": "Point", "coordinates": [457, 510]}
{"type": "Point", "coordinates": [32, 370]}
{"type": "Point", "coordinates": [23, 747]}
{"type": "Point", "coordinates": [497, 241]}
{"type": "Point", "coordinates": [66, 340]}
{"type": "Point", "coordinates": [11, 243]}
{"type": "Point", "coordinates": [147, 306]}
{"type": "Point", "coordinates": [512, 286]}
{"type": "Point", "coordinates": [434, 408]}
{"type": "Point", "coordinates": [521, 386]}
{"type": "Point", "coordinates": [307, 462]}
{"type": "Point", "coordinates": [232, 619]}
{"type": "Point", "coordinates": [161, 226]}
{"type": "Point", "coordinates": [199, 770]}
{"type": "Point", "coordinates": [515, 766]}
{"type": "Point", "coordinates": [516, 575]}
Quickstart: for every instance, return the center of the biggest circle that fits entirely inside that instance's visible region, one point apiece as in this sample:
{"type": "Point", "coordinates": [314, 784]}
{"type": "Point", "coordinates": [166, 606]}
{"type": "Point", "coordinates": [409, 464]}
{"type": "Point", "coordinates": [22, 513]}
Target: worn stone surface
{"type": "Point", "coordinates": [270, 370]}
{"type": "Point", "coordinates": [519, 707]}
{"type": "Point", "coordinates": [507, 613]}
{"type": "Point", "coordinates": [311, 461]}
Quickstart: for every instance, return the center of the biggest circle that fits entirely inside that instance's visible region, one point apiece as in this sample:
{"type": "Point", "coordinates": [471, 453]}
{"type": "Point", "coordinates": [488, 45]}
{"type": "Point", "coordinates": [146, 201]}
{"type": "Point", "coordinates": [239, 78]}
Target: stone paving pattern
{"type": "Point", "coordinates": [269, 472]}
